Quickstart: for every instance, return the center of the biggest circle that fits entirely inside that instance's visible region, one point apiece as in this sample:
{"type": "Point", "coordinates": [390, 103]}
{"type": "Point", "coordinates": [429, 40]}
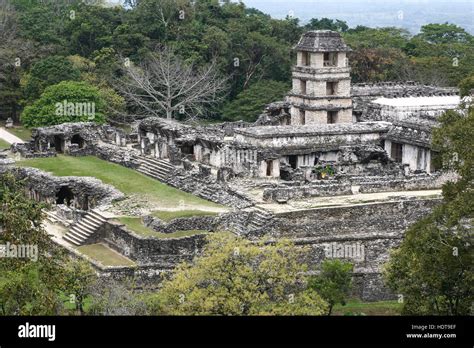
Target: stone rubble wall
{"type": "Point", "coordinates": [321, 189]}
{"type": "Point", "coordinates": [163, 253]}
{"type": "Point", "coordinates": [377, 226]}
{"type": "Point", "coordinates": [208, 223]}
{"type": "Point", "coordinates": [417, 182]}
{"type": "Point", "coordinates": [44, 186]}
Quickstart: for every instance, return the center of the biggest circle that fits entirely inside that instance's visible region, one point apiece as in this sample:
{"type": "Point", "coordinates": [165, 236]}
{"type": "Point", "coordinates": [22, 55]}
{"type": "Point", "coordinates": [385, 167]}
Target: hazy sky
{"type": "Point", "coordinates": [409, 14]}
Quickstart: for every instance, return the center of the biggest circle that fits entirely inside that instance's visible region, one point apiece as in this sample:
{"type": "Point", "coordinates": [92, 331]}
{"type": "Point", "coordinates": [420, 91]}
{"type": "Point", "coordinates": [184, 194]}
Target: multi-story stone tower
{"type": "Point", "coordinates": [321, 80]}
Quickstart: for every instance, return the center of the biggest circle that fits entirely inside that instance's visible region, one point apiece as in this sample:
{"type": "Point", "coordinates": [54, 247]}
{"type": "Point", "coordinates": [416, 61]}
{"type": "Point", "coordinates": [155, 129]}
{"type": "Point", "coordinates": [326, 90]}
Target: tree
{"type": "Point", "coordinates": [444, 34]}
{"type": "Point", "coordinates": [28, 285]}
{"type": "Point", "coordinates": [48, 72]}
{"type": "Point", "coordinates": [234, 276]}
{"type": "Point", "coordinates": [79, 280]}
{"type": "Point", "coordinates": [466, 85]}
{"type": "Point", "coordinates": [333, 283]}
{"type": "Point", "coordinates": [163, 85]}
{"type": "Point", "coordinates": [250, 103]}
{"type": "Point", "coordinates": [433, 267]}
{"type": "Point", "coordinates": [326, 24]}
{"type": "Point", "coordinates": [110, 297]}
{"type": "Point", "coordinates": [68, 101]}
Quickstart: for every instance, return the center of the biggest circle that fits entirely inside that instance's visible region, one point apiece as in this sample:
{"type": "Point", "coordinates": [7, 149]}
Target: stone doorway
{"type": "Point", "coordinates": [64, 196]}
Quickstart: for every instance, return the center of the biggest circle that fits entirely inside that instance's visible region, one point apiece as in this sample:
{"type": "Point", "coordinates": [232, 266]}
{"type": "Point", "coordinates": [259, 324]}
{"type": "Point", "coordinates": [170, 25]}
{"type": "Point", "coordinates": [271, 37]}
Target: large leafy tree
{"type": "Point", "coordinates": [249, 104]}
{"type": "Point", "coordinates": [333, 282]}
{"type": "Point", "coordinates": [28, 286]}
{"type": "Point", "coordinates": [38, 283]}
{"type": "Point", "coordinates": [234, 276]}
{"type": "Point", "coordinates": [83, 103]}
{"type": "Point", "coordinates": [46, 72]}
{"type": "Point", "coordinates": [326, 24]}
{"type": "Point", "coordinates": [433, 268]}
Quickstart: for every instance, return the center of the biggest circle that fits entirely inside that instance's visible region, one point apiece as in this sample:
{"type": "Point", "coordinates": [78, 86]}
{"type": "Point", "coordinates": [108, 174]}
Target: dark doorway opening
{"type": "Point", "coordinates": [397, 152]}
{"type": "Point", "coordinates": [293, 160]}
{"type": "Point", "coordinates": [187, 149]}
{"type": "Point", "coordinates": [269, 168]}
{"type": "Point", "coordinates": [64, 196]}
{"type": "Point", "coordinates": [77, 139]}
{"type": "Point", "coordinates": [59, 143]}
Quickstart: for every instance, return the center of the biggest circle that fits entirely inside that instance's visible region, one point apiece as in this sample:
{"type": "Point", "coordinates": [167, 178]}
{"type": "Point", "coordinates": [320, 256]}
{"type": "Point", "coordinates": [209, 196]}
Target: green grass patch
{"type": "Point", "coordinates": [124, 179]}
{"type": "Point", "coordinates": [105, 255]}
{"type": "Point", "coordinates": [20, 132]}
{"type": "Point", "coordinates": [357, 307]}
{"type": "Point", "coordinates": [4, 144]}
{"type": "Point", "coordinates": [136, 225]}
{"type": "Point", "coordinates": [170, 215]}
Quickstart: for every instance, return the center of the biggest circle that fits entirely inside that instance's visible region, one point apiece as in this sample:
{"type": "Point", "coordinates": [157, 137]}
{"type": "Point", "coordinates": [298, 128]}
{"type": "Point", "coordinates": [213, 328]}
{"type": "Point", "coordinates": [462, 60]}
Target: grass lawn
{"type": "Point", "coordinates": [4, 144]}
{"type": "Point", "coordinates": [135, 224]}
{"type": "Point", "coordinates": [170, 215]}
{"type": "Point", "coordinates": [357, 307]}
{"type": "Point", "coordinates": [20, 131]}
{"type": "Point", "coordinates": [124, 179]}
{"type": "Point", "coordinates": [105, 255]}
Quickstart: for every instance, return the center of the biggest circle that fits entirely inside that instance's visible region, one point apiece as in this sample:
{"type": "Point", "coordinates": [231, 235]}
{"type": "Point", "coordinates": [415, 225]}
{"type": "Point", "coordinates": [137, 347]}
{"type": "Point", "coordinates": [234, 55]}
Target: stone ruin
{"type": "Point", "coordinates": [326, 139]}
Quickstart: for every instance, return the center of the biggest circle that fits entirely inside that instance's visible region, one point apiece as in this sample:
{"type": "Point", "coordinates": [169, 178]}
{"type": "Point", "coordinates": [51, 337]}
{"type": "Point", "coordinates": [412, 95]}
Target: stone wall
{"type": "Point", "coordinates": [416, 182]}
{"type": "Point", "coordinates": [374, 228]}
{"type": "Point", "coordinates": [207, 223]}
{"type": "Point", "coordinates": [87, 192]}
{"type": "Point", "coordinates": [163, 253]}
{"type": "Point", "coordinates": [321, 189]}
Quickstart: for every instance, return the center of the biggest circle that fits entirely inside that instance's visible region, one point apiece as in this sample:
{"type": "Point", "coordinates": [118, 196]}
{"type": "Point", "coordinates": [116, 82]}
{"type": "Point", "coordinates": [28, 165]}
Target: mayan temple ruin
{"type": "Point", "coordinates": [333, 164]}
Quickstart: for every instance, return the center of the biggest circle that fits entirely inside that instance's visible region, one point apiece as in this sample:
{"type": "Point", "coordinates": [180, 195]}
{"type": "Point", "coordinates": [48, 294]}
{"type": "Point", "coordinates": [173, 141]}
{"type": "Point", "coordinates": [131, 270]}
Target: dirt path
{"type": "Point", "coordinates": [9, 137]}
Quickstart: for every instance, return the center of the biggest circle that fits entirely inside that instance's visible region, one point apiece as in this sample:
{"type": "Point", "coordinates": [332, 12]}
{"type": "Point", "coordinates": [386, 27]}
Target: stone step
{"type": "Point", "coordinates": [73, 239]}
{"type": "Point", "coordinates": [157, 163]}
{"type": "Point", "coordinates": [83, 230]}
{"type": "Point", "coordinates": [156, 167]}
{"type": "Point", "coordinates": [79, 234]}
{"type": "Point", "coordinates": [147, 172]}
{"type": "Point", "coordinates": [86, 222]}
{"type": "Point", "coordinates": [151, 170]}
{"type": "Point", "coordinates": [95, 215]}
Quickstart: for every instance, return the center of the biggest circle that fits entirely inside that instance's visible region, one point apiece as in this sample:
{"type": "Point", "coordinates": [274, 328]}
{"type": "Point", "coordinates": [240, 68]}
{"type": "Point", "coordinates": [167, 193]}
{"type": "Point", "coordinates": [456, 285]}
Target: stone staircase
{"type": "Point", "coordinates": [156, 168]}
{"type": "Point", "coordinates": [259, 218]}
{"type": "Point", "coordinates": [81, 231]}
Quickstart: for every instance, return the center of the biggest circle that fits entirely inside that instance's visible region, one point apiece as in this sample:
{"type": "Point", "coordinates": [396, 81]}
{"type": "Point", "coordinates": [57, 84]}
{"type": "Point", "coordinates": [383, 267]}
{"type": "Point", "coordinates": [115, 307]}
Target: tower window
{"type": "Point", "coordinates": [331, 88]}
{"type": "Point", "coordinates": [332, 117]}
{"type": "Point", "coordinates": [305, 58]}
{"type": "Point", "coordinates": [330, 59]}
{"type": "Point", "coordinates": [302, 117]}
{"type": "Point", "coordinates": [303, 87]}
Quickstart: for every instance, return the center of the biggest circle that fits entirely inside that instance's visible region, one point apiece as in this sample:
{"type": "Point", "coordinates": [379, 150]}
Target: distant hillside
{"type": "Point", "coordinates": [408, 14]}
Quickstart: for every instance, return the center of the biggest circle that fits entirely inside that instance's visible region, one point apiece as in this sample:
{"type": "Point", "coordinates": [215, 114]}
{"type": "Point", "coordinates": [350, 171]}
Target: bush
{"type": "Point", "coordinates": [68, 101]}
